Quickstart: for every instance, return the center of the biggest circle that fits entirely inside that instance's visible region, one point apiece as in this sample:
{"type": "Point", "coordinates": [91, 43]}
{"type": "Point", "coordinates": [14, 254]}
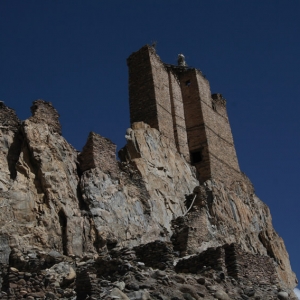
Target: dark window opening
{"type": "Point", "coordinates": [196, 157]}
{"type": "Point", "coordinates": [188, 83]}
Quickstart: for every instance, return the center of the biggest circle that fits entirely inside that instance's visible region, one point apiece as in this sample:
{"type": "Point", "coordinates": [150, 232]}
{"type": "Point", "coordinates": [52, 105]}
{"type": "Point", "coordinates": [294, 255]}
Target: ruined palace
{"type": "Point", "coordinates": [173, 219]}
{"type": "Point", "coordinates": [178, 102]}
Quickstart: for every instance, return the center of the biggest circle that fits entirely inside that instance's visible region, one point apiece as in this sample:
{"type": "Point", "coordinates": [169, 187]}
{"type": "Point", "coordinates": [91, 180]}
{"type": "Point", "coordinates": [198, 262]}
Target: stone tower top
{"type": "Point", "coordinates": [178, 102]}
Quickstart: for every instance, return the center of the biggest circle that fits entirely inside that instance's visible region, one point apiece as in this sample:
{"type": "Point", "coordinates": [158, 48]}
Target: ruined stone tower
{"type": "Point", "coordinates": [178, 102]}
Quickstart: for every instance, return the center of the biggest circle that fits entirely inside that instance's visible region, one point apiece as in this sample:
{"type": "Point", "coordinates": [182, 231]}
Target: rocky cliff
{"type": "Point", "coordinates": [83, 224]}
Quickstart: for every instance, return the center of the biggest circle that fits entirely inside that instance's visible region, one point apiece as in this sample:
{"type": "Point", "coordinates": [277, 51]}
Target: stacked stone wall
{"type": "Point", "coordinates": [157, 254]}
{"type": "Point", "coordinates": [99, 152]}
{"type": "Point", "coordinates": [3, 280]}
{"type": "Point", "coordinates": [8, 118]}
{"type": "Point", "coordinates": [211, 258]}
{"type": "Point", "coordinates": [27, 285]}
{"type": "Point", "coordinates": [190, 231]}
{"type": "Point", "coordinates": [234, 262]}
{"type": "Point", "coordinates": [44, 112]}
{"type": "Point", "coordinates": [240, 264]}
{"type": "Point", "coordinates": [87, 284]}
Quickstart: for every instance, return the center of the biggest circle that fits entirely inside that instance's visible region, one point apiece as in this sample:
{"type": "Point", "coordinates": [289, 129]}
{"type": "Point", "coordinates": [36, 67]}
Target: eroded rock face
{"type": "Point", "coordinates": [167, 175]}
{"type": "Point", "coordinates": [53, 203]}
{"type": "Point", "coordinates": [58, 204]}
{"type": "Point", "coordinates": [133, 202]}
{"type": "Point", "coordinates": [41, 202]}
{"type": "Point", "coordinates": [231, 214]}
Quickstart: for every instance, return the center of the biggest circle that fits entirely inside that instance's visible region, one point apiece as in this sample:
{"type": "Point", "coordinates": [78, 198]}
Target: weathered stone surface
{"type": "Point", "coordinates": [135, 202]}
{"type": "Point", "coordinates": [99, 152]}
{"type": "Point", "coordinates": [44, 112]}
{"type": "Point", "coordinates": [40, 206]}
{"type": "Point", "coordinates": [49, 200]}
{"type": "Point", "coordinates": [167, 175]}
{"type": "Point", "coordinates": [86, 225]}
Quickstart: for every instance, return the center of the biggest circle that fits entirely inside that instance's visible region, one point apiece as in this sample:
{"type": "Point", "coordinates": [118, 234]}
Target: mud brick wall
{"type": "Point", "coordinates": [163, 97]}
{"type": "Point", "coordinates": [196, 133]}
{"type": "Point", "coordinates": [177, 101]}
{"type": "Point", "coordinates": [177, 109]}
{"type": "Point", "coordinates": [211, 258]}
{"type": "Point", "coordinates": [141, 88]}
{"type": "Point", "coordinates": [43, 112]}
{"type": "Point", "coordinates": [234, 262]}
{"type": "Point", "coordinates": [157, 254]}
{"type": "Point", "coordinates": [155, 97]}
{"type": "Point", "coordinates": [208, 127]}
{"type": "Point", "coordinates": [240, 264]}
{"type": "Point", "coordinates": [224, 161]}
{"type": "Point", "coordinates": [99, 152]}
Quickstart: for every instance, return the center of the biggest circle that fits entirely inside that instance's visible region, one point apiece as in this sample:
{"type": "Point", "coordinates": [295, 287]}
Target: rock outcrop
{"type": "Point", "coordinates": [83, 223]}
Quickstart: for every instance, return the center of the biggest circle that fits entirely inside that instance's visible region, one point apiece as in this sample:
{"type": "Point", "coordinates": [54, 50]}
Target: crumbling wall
{"type": "Point", "coordinates": [242, 264]}
{"type": "Point", "coordinates": [157, 254]}
{"type": "Point", "coordinates": [44, 112]}
{"type": "Point", "coordinates": [233, 261]}
{"type": "Point", "coordinates": [190, 232]}
{"type": "Point", "coordinates": [32, 275]}
{"type": "Point", "coordinates": [211, 258]}
{"type": "Point", "coordinates": [8, 118]}
{"type": "Point", "coordinates": [99, 152]}
{"type": "Point", "coordinates": [87, 283]}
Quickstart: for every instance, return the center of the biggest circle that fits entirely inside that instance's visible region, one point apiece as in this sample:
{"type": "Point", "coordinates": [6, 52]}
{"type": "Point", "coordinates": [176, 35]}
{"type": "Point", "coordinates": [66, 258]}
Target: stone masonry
{"type": "Point", "coordinates": [99, 152]}
{"type": "Point", "coordinates": [155, 97]}
{"type": "Point", "coordinates": [44, 112]}
{"type": "Point", "coordinates": [177, 101]}
{"type": "Point", "coordinates": [232, 261]}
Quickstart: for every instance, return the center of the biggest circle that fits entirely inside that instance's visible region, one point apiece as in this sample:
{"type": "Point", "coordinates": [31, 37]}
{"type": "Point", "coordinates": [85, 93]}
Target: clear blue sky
{"type": "Point", "coordinates": [73, 53]}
